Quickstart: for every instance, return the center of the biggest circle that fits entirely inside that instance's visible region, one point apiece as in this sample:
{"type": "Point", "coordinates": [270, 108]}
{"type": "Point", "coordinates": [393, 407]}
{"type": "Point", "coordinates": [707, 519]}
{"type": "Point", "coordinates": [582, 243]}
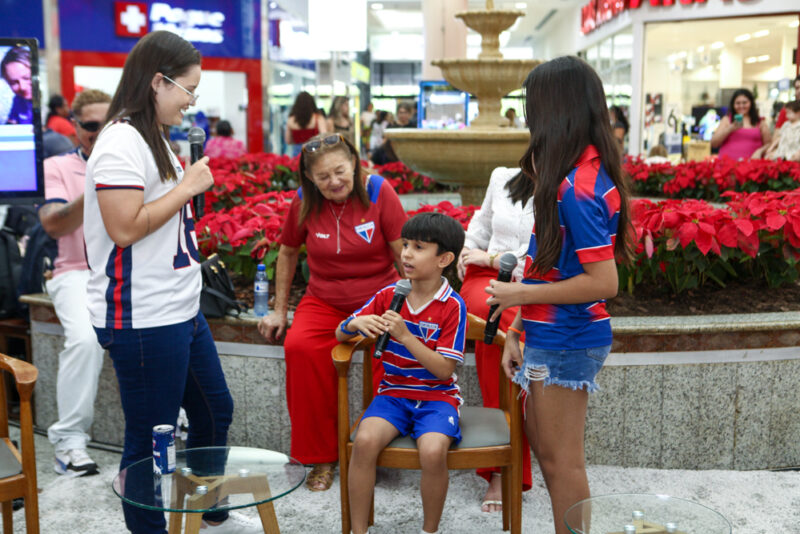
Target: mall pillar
{"type": "Point", "coordinates": [730, 68]}
{"type": "Point", "coordinates": [445, 35]}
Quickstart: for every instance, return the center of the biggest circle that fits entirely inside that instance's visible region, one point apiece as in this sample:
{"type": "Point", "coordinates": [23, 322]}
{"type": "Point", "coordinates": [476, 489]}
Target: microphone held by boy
{"type": "Point", "coordinates": [418, 395]}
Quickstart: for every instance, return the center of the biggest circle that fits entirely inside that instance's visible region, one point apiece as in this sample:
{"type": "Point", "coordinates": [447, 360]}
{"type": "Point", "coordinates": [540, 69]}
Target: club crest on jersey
{"type": "Point", "coordinates": [427, 330]}
{"type": "Point", "coordinates": [366, 231]}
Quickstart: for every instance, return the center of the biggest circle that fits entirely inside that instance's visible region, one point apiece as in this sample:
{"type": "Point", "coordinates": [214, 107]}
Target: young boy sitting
{"type": "Point", "coordinates": [418, 394]}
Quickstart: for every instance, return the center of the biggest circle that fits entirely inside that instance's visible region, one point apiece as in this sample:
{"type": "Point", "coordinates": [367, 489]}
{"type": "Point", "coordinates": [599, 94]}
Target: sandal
{"type": "Point", "coordinates": [321, 477]}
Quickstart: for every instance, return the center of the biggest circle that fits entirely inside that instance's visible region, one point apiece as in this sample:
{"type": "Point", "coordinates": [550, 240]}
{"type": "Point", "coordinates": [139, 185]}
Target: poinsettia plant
{"type": "Point", "coordinates": [682, 244]}
{"type": "Point", "coordinates": [709, 179]}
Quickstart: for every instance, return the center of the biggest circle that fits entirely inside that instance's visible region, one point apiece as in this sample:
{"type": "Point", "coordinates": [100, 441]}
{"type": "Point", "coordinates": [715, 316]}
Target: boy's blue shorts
{"type": "Point", "coordinates": [414, 418]}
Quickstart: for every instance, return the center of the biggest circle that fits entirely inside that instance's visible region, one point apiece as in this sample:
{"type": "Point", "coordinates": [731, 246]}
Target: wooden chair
{"type": "Point", "coordinates": [18, 472]}
{"type": "Point", "coordinates": [490, 437]}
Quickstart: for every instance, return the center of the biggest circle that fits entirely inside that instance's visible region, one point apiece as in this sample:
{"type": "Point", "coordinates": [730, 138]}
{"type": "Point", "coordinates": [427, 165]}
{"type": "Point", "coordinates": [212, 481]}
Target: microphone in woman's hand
{"type": "Point", "coordinates": [507, 263]}
{"type": "Point", "coordinates": [401, 290]}
{"type": "Point", "coordinates": [196, 138]}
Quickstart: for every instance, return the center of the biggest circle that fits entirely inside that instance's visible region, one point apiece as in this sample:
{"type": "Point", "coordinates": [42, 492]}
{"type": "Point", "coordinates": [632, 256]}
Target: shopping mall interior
{"type": "Point", "coordinates": [692, 330]}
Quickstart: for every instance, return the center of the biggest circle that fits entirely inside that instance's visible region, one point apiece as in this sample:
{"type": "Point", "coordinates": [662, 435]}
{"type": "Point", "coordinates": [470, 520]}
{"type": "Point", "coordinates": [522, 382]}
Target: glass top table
{"type": "Point", "coordinates": [643, 514]}
{"type": "Point", "coordinates": [212, 479]}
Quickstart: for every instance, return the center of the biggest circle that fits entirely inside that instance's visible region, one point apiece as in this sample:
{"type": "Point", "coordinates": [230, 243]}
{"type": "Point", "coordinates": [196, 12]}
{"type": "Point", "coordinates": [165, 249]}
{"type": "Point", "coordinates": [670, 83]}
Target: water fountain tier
{"type": "Point", "coordinates": [467, 157]}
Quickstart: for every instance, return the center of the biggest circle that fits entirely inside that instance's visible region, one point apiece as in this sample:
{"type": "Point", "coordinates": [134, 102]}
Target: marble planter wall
{"type": "Point", "coordinates": [703, 393]}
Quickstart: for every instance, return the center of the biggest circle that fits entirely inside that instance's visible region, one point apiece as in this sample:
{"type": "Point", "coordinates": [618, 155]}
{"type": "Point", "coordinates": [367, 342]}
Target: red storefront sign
{"type": "Point", "coordinates": [598, 12]}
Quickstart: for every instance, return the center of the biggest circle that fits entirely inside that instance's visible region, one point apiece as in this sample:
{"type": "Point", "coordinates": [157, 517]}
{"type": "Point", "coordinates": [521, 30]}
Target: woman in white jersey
{"type": "Point", "coordinates": [145, 280]}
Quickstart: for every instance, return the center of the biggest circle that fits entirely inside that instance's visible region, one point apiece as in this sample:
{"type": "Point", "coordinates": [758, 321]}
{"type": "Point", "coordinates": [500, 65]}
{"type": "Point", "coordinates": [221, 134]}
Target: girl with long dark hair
{"type": "Point", "coordinates": [581, 229]}
{"type": "Point", "coordinates": [304, 122]}
{"type": "Point", "coordinates": [144, 288]}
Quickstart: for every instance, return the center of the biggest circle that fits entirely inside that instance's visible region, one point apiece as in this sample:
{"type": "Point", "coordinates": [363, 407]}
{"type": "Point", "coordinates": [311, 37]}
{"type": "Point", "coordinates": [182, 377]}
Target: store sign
{"type": "Point", "coordinates": [218, 28]}
{"type": "Point", "coordinates": [22, 19]}
{"type": "Point", "coordinates": [194, 25]}
{"type": "Point", "coordinates": [598, 12]}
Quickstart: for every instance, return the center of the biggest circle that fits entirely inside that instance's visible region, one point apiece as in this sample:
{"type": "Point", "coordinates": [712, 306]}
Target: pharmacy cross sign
{"type": "Point", "coordinates": [130, 19]}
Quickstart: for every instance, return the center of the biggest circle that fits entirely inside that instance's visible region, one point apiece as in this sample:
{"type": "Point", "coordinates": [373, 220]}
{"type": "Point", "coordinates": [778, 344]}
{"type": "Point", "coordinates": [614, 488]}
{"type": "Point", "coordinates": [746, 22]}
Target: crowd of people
{"type": "Point", "coordinates": [127, 277]}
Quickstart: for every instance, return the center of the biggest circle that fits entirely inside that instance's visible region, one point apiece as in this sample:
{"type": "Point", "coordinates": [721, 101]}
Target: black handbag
{"type": "Point", "coordinates": [217, 298]}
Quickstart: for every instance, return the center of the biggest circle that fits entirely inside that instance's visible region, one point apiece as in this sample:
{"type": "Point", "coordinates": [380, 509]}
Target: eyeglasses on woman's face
{"type": "Point", "coordinates": [192, 95]}
{"type": "Point", "coordinates": [316, 144]}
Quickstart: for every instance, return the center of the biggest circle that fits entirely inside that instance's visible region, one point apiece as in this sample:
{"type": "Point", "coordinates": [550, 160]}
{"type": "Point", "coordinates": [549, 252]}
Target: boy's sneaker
{"type": "Point", "coordinates": [235, 524]}
{"type": "Point", "coordinates": [75, 462]}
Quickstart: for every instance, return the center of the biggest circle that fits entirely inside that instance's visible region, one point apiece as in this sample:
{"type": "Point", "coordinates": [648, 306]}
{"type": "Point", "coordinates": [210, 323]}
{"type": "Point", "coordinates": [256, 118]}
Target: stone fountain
{"type": "Point", "coordinates": [467, 157]}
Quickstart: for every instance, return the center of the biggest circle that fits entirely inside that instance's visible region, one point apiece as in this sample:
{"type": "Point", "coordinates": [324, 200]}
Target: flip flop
{"type": "Point", "coordinates": [488, 503]}
{"type": "Point", "coordinates": [321, 477]}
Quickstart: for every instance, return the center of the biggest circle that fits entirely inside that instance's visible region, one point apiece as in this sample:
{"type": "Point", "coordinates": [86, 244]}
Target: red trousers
{"type": "Point", "coordinates": [311, 381]}
{"type": "Point", "coordinates": [487, 357]}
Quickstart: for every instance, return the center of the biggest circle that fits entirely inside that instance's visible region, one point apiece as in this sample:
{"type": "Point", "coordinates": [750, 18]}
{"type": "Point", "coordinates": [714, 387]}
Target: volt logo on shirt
{"type": "Point", "coordinates": [427, 330]}
{"type": "Point", "coordinates": [366, 231]}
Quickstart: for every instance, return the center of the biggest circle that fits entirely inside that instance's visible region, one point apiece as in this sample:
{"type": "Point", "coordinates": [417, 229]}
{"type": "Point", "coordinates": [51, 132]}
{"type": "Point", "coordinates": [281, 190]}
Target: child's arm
{"type": "Point", "coordinates": [598, 281]}
{"type": "Point", "coordinates": [370, 325]}
{"type": "Point", "coordinates": [441, 367]}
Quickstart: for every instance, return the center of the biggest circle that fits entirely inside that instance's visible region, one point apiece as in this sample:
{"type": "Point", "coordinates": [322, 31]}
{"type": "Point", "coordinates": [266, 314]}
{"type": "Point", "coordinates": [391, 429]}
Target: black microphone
{"type": "Point", "coordinates": [401, 290]}
{"type": "Point", "coordinates": [196, 137]}
{"type": "Point", "coordinates": [507, 263]}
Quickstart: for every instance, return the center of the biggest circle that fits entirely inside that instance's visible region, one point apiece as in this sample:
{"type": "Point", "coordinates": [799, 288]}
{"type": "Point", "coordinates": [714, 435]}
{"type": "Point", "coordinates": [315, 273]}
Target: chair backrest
{"type": "Point", "coordinates": [475, 328]}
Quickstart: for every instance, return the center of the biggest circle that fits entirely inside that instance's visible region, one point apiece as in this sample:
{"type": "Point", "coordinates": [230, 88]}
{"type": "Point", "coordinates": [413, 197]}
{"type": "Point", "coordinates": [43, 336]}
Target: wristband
{"type": "Point", "coordinates": [511, 328]}
{"type": "Point", "coordinates": [491, 260]}
{"type": "Point", "coordinates": [345, 330]}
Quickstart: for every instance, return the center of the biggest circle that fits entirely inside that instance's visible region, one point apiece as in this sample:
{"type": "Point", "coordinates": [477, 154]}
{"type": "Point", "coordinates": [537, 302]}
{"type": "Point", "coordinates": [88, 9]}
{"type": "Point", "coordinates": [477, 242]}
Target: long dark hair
{"type": "Point", "coordinates": [565, 108]}
{"type": "Point", "coordinates": [520, 188]}
{"type": "Point", "coordinates": [303, 109]}
{"type": "Point", "coordinates": [312, 198]}
{"type": "Point", "coordinates": [753, 113]}
{"type": "Point", "coordinates": [159, 51]}
{"type": "Point", "coordinates": [619, 115]}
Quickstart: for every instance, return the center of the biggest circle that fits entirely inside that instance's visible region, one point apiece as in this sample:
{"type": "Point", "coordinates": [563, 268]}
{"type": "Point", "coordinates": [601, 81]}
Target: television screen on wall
{"type": "Point", "coordinates": [21, 177]}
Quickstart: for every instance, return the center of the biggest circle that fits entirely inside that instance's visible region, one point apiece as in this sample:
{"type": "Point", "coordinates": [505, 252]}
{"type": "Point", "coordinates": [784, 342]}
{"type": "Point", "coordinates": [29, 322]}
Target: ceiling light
{"type": "Point", "coordinates": [741, 38]}
{"type": "Point", "coordinates": [376, 5]}
{"type": "Point", "coordinates": [794, 24]}
{"type": "Point", "coordinates": [751, 59]}
{"type": "Point", "coordinates": [761, 33]}
{"type": "Point", "coordinates": [701, 48]}
{"type": "Point", "coordinates": [681, 54]}
{"type": "Point", "coordinates": [283, 74]}
{"type": "Point", "coordinates": [521, 5]}
{"type": "Point", "coordinates": [273, 5]}
{"type": "Point", "coordinates": [763, 58]}
{"type": "Point", "coordinates": [717, 45]}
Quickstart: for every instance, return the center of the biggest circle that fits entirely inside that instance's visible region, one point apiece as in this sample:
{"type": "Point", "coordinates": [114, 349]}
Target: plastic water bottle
{"type": "Point", "coordinates": [261, 291]}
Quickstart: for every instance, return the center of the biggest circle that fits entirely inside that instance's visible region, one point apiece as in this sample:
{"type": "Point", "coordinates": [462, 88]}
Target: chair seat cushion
{"type": "Point", "coordinates": [9, 466]}
{"type": "Point", "coordinates": [480, 427]}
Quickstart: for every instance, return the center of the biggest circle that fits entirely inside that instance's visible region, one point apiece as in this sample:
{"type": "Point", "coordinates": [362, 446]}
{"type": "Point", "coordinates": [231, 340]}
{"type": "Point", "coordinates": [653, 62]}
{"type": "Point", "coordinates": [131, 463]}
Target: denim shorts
{"type": "Point", "coordinates": [574, 369]}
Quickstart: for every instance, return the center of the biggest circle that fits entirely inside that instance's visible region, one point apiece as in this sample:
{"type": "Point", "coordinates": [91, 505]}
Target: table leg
{"type": "Point", "coordinates": [268, 518]}
{"type": "Point", "coordinates": [193, 522]}
{"type": "Point", "coordinates": [175, 522]}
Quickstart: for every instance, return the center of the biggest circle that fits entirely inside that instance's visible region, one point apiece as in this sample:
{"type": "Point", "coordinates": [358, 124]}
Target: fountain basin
{"type": "Point", "coordinates": [465, 157]}
{"type": "Point", "coordinates": [490, 23]}
{"type": "Point", "coordinates": [489, 80]}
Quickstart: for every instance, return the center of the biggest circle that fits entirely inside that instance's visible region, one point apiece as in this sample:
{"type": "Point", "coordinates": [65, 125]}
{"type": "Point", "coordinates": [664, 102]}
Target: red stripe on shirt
{"type": "Point", "coordinates": [590, 255]}
{"type": "Point", "coordinates": [118, 288]}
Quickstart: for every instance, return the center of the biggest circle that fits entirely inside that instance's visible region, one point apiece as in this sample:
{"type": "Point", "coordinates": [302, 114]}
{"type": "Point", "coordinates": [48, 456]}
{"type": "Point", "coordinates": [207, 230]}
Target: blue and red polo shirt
{"type": "Point", "coordinates": [588, 210]}
{"type": "Point", "coordinates": [441, 325]}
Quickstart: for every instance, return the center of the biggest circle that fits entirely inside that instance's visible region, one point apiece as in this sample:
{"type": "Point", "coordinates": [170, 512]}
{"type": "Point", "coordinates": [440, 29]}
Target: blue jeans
{"type": "Point", "coordinates": [159, 370]}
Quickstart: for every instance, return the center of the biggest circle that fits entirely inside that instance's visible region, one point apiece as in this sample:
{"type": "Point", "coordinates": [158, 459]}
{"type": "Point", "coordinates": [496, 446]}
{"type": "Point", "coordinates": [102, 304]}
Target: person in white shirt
{"type": "Point", "coordinates": [503, 224]}
{"type": "Point", "coordinates": [144, 288]}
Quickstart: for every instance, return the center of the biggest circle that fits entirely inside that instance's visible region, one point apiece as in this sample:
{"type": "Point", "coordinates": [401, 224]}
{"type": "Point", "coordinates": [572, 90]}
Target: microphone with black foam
{"type": "Point", "coordinates": [507, 263]}
{"type": "Point", "coordinates": [196, 137]}
{"type": "Point", "coordinates": [401, 290]}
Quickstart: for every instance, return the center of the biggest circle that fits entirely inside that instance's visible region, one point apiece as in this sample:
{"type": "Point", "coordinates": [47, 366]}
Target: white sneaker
{"type": "Point", "coordinates": [235, 524]}
{"type": "Point", "coordinates": [75, 462]}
